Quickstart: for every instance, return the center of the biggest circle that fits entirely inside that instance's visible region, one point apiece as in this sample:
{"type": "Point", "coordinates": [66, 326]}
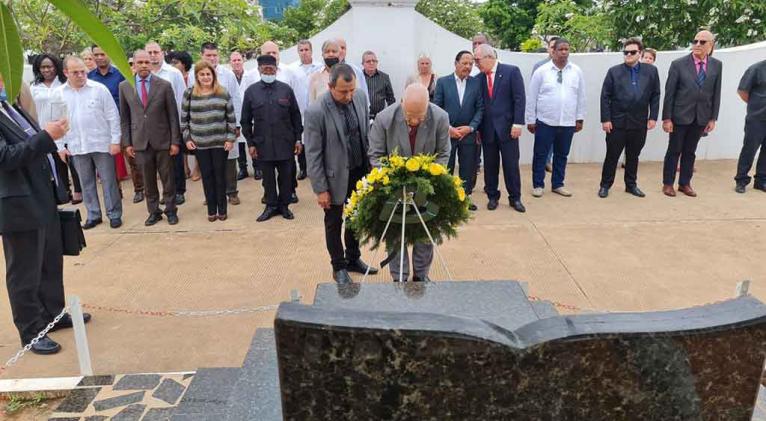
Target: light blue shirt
{"type": "Point", "coordinates": [148, 85]}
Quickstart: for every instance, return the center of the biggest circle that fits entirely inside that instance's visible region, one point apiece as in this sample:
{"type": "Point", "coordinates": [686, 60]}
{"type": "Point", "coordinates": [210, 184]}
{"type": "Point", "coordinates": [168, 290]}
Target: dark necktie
{"type": "Point", "coordinates": [144, 93]}
{"type": "Point", "coordinates": [701, 75]}
{"type": "Point", "coordinates": [29, 131]}
{"type": "Point", "coordinates": [413, 136]}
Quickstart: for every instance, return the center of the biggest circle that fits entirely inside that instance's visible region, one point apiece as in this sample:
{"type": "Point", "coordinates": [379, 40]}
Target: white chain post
{"type": "Point", "coordinates": [742, 289]}
{"type": "Point", "coordinates": [80, 336]}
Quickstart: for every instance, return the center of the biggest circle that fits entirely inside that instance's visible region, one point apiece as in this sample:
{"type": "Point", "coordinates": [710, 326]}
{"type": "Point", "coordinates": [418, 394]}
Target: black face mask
{"type": "Point", "coordinates": [331, 61]}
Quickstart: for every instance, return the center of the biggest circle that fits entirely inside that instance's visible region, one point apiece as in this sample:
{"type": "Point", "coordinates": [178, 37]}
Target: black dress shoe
{"type": "Point", "coordinates": [172, 218]}
{"type": "Point", "coordinates": [287, 213]}
{"type": "Point", "coordinates": [342, 276]}
{"type": "Point", "coordinates": [293, 198]}
{"type": "Point", "coordinates": [635, 191]}
{"type": "Point", "coordinates": [90, 224]}
{"type": "Point", "coordinates": [258, 174]}
{"type": "Point", "coordinates": [518, 206]}
{"type": "Point", "coordinates": [603, 192]}
{"type": "Point", "coordinates": [267, 214]}
{"type": "Point", "coordinates": [359, 266]}
{"type": "Point", "coordinates": [761, 187]}
{"type": "Point", "coordinates": [180, 199]}
{"type": "Point", "coordinates": [66, 322]}
{"type": "Point", "coordinates": [115, 223]}
{"type": "Point", "coordinates": [419, 279]}
{"type": "Point", "coordinates": [46, 346]}
{"type": "Point", "coordinates": [138, 197]}
{"type": "Point", "coordinates": [740, 188]}
{"type": "Point", "coordinates": [472, 207]}
{"type": "Point", "coordinates": [153, 219]}
{"type": "Point", "coordinates": [492, 205]}
{"type": "Point", "coordinates": [242, 174]}
{"type": "Point", "coordinates": [302, 175]}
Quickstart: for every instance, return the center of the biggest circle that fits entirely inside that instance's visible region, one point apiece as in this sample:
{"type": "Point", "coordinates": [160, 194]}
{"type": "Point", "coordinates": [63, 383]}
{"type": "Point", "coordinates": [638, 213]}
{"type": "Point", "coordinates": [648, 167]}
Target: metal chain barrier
{"type": "Point", "coordinates": [37, 338]}
{"type": "Point", "coordinates": [182, 313]}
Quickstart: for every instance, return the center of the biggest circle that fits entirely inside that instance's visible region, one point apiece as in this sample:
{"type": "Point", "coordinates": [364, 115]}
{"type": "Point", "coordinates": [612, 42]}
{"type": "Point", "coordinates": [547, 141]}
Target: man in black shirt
{"type": "Point", "coordinates": [379, 87]}
{"type": "Point", "coordinates": [752, 89]}
{"type": "Point", "coordinates": [630, 103]}
{"type": "Point", "coordinates": [271, 123]}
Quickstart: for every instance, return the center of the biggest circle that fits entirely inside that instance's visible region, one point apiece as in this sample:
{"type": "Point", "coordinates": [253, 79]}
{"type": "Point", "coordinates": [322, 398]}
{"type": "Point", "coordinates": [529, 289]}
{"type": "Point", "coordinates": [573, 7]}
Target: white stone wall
{"type": "Point", "coordinates": [399, 34]}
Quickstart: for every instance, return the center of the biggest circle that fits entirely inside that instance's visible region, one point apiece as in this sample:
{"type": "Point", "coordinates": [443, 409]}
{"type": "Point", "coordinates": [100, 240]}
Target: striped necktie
{"type": "Point", "coordinates": [701, 75]}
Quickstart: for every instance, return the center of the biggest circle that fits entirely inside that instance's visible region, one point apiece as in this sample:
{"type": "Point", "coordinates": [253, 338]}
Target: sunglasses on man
{"type": "Point", "coordinates": [630, 52]}
{"type": "Point", "coordinates": [699, 41]}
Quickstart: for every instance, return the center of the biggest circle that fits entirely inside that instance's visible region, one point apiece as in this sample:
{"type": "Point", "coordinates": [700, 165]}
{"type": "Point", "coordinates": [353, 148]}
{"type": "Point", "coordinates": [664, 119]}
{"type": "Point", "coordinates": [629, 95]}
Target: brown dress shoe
{"type": "Point", "coordinates": [668, 190]}
{"type": "Point", "coordinates": [687, 190]}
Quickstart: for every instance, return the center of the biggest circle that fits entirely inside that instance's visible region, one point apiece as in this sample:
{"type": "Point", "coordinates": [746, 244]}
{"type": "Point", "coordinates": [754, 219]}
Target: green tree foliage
{"type": "Point", "coordinates": [310, 17]}
{"type": "Point", "coordinates": [509, 23]}
{"type": "Point", "coordinates": [586, 28]}
{"type": "Point", "coordinates": [671, 24]}
{"type": "Point", "coordinates": [457, 16]}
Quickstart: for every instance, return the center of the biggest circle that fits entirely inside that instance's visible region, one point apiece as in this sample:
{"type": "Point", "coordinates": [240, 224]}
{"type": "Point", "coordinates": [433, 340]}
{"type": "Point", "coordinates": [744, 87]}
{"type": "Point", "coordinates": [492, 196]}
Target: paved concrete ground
{"type": "Point", "coordinates": [621, 253]}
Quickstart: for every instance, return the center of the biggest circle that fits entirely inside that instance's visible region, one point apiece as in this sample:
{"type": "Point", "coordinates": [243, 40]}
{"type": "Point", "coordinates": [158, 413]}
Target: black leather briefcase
{"type": "Point", "coordinates": [72, 237]}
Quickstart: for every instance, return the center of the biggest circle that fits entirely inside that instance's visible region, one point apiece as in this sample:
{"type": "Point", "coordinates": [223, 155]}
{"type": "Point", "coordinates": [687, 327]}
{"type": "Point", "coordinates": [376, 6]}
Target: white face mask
{"type": "Point", "coordinates": [268, 78]}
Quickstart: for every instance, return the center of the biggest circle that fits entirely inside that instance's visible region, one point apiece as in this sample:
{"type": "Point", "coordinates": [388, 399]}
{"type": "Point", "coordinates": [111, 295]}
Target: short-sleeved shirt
{"type": "Point", "coordinates": [111, 80]}
{"type": "Point", "coordinates": [754, 83]}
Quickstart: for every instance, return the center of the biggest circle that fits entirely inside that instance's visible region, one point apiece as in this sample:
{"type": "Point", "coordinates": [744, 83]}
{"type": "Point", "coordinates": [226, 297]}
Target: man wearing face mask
{"type": "Point", "coordinates": [411, 128]}
{"type": "Point", "coordinates": [271, 123]}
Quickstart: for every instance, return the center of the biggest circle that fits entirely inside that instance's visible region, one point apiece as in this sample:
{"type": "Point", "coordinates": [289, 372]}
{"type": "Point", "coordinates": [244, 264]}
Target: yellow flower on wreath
{"type": "Point", "coordinates": [413, 164]}
{"type": "Point", "coordinates": [457, 181]}
{"type": "Point", "coordinates": [436, 169]}
{"type": "Point", "coordinates": [386, 180]}
{"type": "Point", "coordinates": [396, 161]}
{"type": "Point", "coordinates": [461, 194]}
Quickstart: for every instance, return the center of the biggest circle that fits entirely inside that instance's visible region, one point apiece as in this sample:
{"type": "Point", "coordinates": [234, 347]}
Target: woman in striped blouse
{"type": "Point", "coordinates": [209, 127]}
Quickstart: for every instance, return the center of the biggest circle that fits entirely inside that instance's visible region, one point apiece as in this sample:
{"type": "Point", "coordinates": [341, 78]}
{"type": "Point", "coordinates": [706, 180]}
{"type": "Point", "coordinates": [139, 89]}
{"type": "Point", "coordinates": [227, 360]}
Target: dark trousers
{"type": "Point", "coordinates": [212, 167]}
{"type": "Point", "coordinates": [63, 170]}
{"type": "Point", "coordinates": [333, 225]}
{"type": "Point", "coordinates": [683, 143]}
{"type": "Point", "coordinates": [179, 173]}
{"type": "Point", "coordinates": [151, 163]}
{"type": "Point", "coordinates": [34, 277]}
{"type": "Point", "coordinates": [242, 159]}
{"type": "Point", "coordinates": [632, 141]}
{"type": "Point", "coordinates": [278, 187]}
{"type": "Point", "coordinates": [558, 137]}
{"type": "Point", "coordinates": [506, 151]}
{"type": "Point", "coordinates": [231, 177]}
{"type": "Point", "coordinates": [136, 175]}
{"type": "Point", "coordinates": [302, 160]}
{"type": "Point", "coordinates": [755, 138]}
{"type": "Point", "coordinates": [464, 153]}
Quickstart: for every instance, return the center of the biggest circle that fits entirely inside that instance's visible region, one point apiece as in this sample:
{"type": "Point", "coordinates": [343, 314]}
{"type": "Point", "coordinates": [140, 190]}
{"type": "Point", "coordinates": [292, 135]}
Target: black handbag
{"type": "Point", "coordinates": [72, 237]}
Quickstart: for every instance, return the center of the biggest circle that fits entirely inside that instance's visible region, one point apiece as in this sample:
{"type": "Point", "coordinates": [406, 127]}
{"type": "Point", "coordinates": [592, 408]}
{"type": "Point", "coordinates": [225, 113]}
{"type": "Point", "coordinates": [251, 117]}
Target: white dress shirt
{"type": "Point", "coordinates": [307, 69]}
{"type": "Point", "coordinates": [42, 95]}
{"type": "Point", "coordinates": [461, 87]}
{"type": "Point", "coordinates": [176, 79]}
{"type": "Point", "coordinates": [285, 74]}
{"type": "Point", "coordinates": [554, 103]}
{"type": "Point", "coordinates": [94, 122]}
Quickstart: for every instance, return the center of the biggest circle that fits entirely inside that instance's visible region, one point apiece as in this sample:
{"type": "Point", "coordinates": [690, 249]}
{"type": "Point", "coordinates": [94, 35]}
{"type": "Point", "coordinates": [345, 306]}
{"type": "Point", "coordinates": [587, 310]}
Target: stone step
{"type": "Point", "coordinates": [207, 395]}
{"type": "Point", "coordinates": [256, 395]}
{"type": "Point", "coordinates": [544, 309]}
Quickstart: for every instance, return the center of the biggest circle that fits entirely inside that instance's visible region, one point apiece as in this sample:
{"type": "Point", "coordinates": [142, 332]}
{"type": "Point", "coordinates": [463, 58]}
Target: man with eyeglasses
{"type": "Point", "coordinates": [630, 103]}
{"type": "Point", "coordinates": [379, 87]}
{"type": "Point", "coordinates": [555, 112]}
{"type": "Point", "coordinates": [692, 100]}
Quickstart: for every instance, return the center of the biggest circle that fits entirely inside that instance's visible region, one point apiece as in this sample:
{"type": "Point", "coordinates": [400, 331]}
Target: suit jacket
{"type": "Point", "coordinates": [467, 114]}
{"type": "Point", "coordinates": [507, 105]}
{"type": "Point", "coordinates": [687, 103]}
{"type": "Point", "coordinates": [623, 105]}
{"type": "Point", "coordinates": [389, 133]}
{"type": "Point", "coordinates": [157, 125]}
{"type": "Point", "coordinates": [271, 120]}
{"type": "Point", "coordinates": [27, 199]}
{"type": "Point", "coordinates": [327, 147]}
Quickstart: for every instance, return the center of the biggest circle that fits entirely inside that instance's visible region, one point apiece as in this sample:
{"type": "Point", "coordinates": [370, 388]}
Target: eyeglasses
{"type": "Point", "coordinates": [560, 77]}
{"type": "Point", "coordinates": [630, 52]}
{"type": "Point", "coordinates": [699, 41]}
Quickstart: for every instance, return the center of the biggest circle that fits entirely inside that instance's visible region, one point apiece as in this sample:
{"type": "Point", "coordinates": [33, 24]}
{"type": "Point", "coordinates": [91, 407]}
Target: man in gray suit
{"type": "Point", "coordinates": [335, 137]}
{"type": "Point", "coordinates": [692, 100]}
{"type": "Point", "coordinates": [411, 128]}
{"type": "Point", "coordinates": [151, 133]}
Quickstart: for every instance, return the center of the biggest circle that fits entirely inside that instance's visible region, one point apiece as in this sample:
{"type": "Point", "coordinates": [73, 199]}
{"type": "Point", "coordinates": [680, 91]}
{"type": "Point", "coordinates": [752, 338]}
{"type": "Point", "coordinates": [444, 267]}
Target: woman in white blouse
{"type": "Point", "coordinates": [49, 74]}
{"type": "Point", "coordinates": [425, 76]}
